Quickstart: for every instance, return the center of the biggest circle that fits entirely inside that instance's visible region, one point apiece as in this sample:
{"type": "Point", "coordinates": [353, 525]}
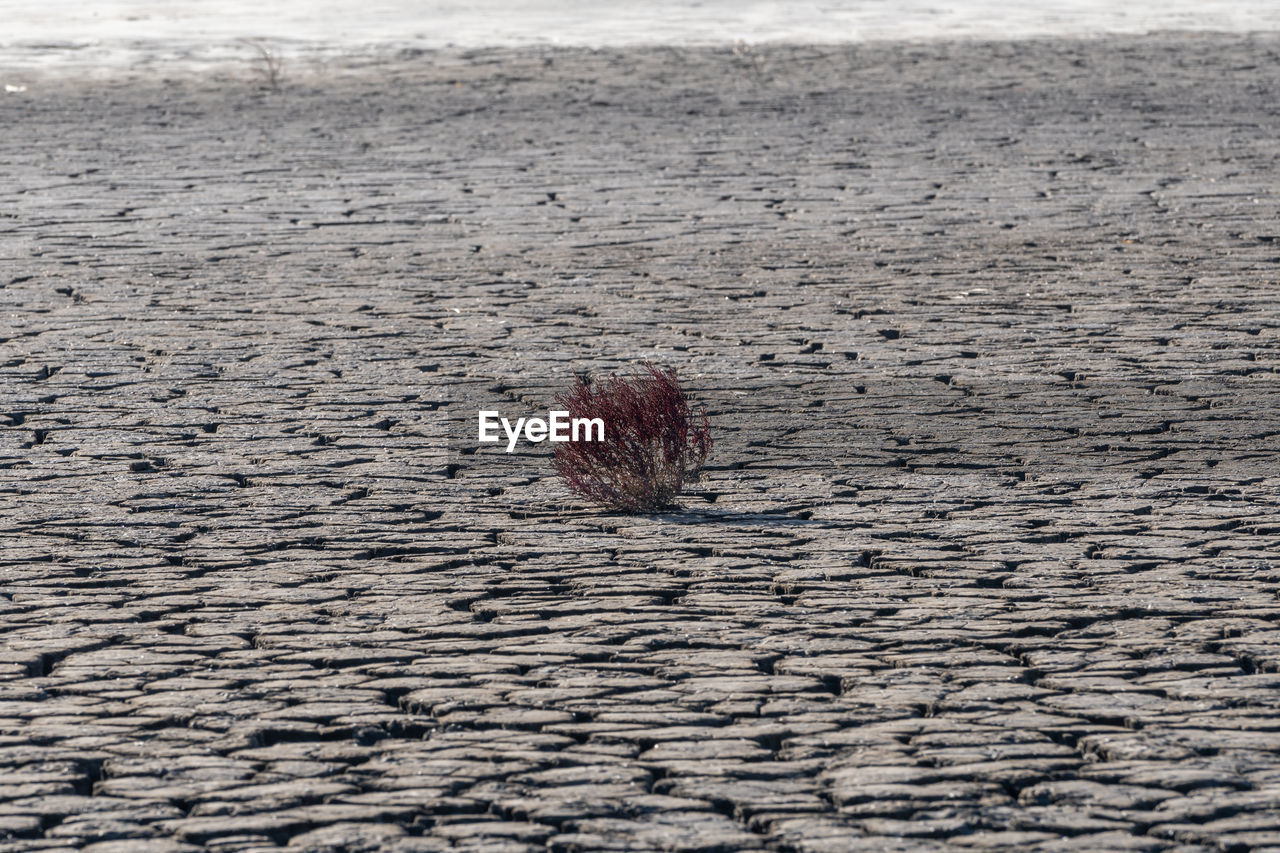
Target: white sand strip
{"type": "Point", "coordinates": [101, 36]}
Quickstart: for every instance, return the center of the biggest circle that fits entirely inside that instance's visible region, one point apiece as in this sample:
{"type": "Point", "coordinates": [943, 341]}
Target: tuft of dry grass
{"type": "Point", "coordinates": [270, 64]}
{"type": "Point", "coordinates": [654, 443]}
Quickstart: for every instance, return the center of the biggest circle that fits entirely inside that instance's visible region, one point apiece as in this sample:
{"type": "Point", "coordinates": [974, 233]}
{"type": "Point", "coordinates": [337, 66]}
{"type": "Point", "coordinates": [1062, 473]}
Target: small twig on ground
{"type": "Point", "coordinates": [750, 60]}
{"type": "Point", "coordinates": [270, 64]}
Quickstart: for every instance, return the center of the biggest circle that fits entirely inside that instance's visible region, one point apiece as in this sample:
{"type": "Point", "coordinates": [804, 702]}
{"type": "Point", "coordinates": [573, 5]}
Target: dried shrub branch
{"type": "Point", "coordinates": [270, 64]}
{"type": "Point", "coordinates": [654, 441]}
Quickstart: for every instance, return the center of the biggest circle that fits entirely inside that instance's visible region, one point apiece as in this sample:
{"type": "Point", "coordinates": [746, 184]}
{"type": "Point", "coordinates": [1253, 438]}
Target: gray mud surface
{"type": "Point", "coordinates": [985, 558]}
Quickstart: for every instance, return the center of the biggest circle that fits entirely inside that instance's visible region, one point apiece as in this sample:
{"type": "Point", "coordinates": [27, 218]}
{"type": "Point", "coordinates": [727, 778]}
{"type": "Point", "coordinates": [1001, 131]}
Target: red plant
{"type": "Point", "coordinates": [654, 441]}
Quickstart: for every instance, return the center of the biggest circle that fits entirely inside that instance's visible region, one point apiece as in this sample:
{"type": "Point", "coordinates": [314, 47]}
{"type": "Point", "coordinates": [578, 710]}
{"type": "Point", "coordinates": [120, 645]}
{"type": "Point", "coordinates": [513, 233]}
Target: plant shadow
{"type": "Point", "coordinates": [705, 515]}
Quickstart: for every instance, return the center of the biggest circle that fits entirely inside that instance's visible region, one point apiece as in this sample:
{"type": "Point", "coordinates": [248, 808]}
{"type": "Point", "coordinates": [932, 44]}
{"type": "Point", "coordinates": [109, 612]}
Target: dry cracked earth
{"type": "Point", "coordinates": [984, 559]}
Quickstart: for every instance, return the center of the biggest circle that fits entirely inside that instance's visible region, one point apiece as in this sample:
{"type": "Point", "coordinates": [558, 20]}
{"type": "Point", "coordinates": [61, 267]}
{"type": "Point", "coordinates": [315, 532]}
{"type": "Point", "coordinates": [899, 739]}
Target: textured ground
{"type": "Point", "coordinates": [985, 560]}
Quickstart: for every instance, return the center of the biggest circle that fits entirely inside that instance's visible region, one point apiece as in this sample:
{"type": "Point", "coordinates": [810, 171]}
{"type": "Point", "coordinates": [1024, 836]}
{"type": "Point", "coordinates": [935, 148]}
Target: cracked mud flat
{"type": "Point", "coordinates": [984, 558]}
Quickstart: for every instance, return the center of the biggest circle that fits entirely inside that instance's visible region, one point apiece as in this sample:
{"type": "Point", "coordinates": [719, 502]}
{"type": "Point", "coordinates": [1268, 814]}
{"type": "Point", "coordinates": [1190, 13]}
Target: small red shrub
{"type": "Point", "coordinates": [654, 441]}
